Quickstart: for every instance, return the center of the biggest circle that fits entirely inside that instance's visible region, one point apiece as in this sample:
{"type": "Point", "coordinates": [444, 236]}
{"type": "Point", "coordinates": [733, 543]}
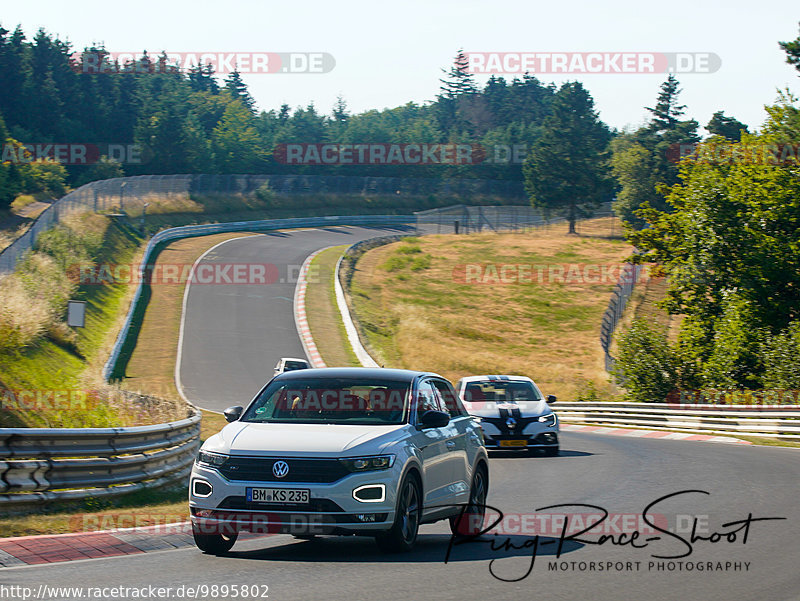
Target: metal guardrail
{"type": "Point", "coordinates": [238, 226]}
{"type": "Point", "coordinates": [773, 421]}
{"type": "Point", "coordinates": [38, 465]}
{"type": "Point", "coordinates": [350, 327]}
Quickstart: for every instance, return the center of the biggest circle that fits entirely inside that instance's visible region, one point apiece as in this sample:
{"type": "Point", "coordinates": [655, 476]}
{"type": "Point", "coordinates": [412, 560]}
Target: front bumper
{"type": "Point", "coordinates": [332, 508]}
{"type": "Point", "coordinates": [511, 442]}
{"type": "Point", "coordinates": [531, 435]}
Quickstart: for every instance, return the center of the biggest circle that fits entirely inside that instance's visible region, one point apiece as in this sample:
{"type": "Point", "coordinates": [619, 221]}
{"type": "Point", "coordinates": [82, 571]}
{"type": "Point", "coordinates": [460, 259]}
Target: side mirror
{"type": "Point", "coordinates": [551, 398]}
{"type": "Point", "coordinates": [233, 413]}
{"type": "Point", "coordinates": [435, 419]}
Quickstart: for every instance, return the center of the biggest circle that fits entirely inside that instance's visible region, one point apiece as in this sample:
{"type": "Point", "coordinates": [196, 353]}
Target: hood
{"type": "Point", "coordinates": [492, 408]}
{"type": "Point", "coordinates": [244, 438]}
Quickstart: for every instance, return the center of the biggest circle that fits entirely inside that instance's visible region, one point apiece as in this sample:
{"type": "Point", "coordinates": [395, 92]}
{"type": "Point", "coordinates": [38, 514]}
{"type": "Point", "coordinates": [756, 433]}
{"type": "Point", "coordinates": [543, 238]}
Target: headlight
{"type": "Point", "coordinates": [212, 459]}
{"type": "Point", "coordinates": [548, 419]}
{"type": "Point", "coordinates": [365, 464]}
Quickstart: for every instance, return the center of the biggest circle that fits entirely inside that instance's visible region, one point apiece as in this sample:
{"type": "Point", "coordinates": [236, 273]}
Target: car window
{"type": "Point", "coordinates": [501, 391]}
{"type": "Point", "coordinates": [293, 365]}
{"type": "Point", "coordinates": [331, 401]}
{"type": "Point", "coordinates": [427, 399]}
{"type": "Point", "coordinates": [449, 399]}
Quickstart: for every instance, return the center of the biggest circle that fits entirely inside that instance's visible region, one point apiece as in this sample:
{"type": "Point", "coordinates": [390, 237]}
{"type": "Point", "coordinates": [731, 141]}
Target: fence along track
{"type": "Point", "coordinates": [131, 193]}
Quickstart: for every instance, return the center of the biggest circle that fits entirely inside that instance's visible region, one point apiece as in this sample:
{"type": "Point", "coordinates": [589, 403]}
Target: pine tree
{"type": "Point", "coordinates": [15, 71]}
{"type": "Point", "coordinates": [644, 161]}
{"type": "Point", "coordinates": [792, 50]}
{"type": "Point", "coordinates": [727, 127]}
{"type": "Point", "coordinates": [459, 80]}
{"type": "Point", "coordinates": [201, 78]}
{"type": "Point", "coordinates": [667, 109]}
{"type": "Point", "coordinates": [565, 171]}
{"type": "Point", "coordinates": [238, 89]}
{"type": "Point", "coordinates": [340, 113]}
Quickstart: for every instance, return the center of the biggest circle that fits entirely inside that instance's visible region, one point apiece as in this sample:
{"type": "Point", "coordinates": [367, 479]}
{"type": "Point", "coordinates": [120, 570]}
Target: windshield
{"type": "Point", "coordinates": [501, 391]}
{"type": "Point", "coordinates": [357, 401]}
{"type": "Point", "coordinates": [294, 365]}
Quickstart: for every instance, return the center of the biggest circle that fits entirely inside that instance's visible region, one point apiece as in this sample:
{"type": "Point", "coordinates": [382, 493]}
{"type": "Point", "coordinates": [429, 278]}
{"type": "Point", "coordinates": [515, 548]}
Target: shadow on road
{"type": "Point", "coordinates": [430, 548]}
{"type": "Point", "coordinates": [536, 455]}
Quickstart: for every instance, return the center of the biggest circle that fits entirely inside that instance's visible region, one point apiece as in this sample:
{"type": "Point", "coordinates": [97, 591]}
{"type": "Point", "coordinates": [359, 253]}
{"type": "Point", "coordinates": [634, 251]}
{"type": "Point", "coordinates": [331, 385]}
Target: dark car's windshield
{"type": "Point", "coordinates": [501, 391]}
{"type": "Point", "coordinates": [331, 401]}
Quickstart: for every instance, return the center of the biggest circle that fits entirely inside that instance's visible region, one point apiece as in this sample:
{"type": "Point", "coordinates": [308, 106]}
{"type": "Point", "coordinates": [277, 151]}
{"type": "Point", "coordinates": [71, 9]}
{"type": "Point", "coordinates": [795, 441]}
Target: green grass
{"type": "Point", "coordinates": [770, 442]}
{"type": "Point", "coordinates": [51, 363]}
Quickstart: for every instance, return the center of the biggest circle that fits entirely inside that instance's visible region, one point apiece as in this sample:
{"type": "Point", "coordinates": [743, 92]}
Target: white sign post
{"type": "Point", "coordinates": [76, 314]}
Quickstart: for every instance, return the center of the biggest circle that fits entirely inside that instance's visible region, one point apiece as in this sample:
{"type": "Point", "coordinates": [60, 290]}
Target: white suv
{"type": "Point", "coordinates": [364, 451]}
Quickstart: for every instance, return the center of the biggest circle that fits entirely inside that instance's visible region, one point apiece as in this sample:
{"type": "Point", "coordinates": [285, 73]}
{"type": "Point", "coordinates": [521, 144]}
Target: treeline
{"type": "Point", "coordinates": [162, 120]}
{"type": "Point", "coordinates": [723, 228]}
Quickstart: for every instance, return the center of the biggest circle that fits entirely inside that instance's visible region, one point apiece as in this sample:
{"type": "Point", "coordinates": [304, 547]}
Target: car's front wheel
{"type": "Point", "coordinates": [470, 521]}
{"type": "Point", "coordinates": [214, 544]}
{"type": "Point", "coordinates": [403, 533]}
{"type": "Point", "coordinates": [551, 451]}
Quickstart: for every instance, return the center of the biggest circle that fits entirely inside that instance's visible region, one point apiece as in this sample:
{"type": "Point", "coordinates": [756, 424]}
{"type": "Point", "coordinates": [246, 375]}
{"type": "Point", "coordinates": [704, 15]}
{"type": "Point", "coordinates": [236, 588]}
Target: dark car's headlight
{"type": "Point", "coordinates": [548, 420]}
{"type": "Point", "coordinates": [211, 459]}
{"type": "Point", "coordinates": [366, 464]}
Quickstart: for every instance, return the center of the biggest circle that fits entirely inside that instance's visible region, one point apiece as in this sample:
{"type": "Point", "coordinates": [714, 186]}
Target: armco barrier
{"type": "Point", "coordinates": [237, 226]}
{"type": "Point", "coordinates": [773, 421]}
{"type": "Point", "coordinates": [350, 327]}
{"type": "Point", "coordinates": [39, 465]}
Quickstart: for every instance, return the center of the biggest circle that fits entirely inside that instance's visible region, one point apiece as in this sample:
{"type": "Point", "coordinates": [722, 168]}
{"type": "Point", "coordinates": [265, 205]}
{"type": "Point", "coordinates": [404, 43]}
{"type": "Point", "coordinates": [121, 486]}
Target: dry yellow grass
{"type": "Point", "coordinates": [429, 318]}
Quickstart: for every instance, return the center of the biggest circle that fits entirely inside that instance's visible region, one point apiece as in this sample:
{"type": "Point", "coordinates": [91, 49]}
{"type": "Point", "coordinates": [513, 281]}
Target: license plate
{"type": "Point", "coordinates": [278, 495]}
{"type": "Point", "coordinates": [513, 443]}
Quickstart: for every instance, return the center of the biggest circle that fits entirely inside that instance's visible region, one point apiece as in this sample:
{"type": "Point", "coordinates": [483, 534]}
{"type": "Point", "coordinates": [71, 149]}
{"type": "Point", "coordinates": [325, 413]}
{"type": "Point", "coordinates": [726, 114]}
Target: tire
{"type": "Point", "coordinates": [214, 544]}
{"type": "Point", "coordinates": [305, 536]}
{"type": "Point", "coordinates": [402, 536]}
{"type": "Point", "coordinates": [551, 451]}
{"type": "Point", "coordinates": [471, 521]}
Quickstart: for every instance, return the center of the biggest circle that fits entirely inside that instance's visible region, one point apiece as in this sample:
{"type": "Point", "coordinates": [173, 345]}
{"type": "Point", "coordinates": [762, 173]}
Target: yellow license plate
{"type": "Point", "coordinates": [513, 443]}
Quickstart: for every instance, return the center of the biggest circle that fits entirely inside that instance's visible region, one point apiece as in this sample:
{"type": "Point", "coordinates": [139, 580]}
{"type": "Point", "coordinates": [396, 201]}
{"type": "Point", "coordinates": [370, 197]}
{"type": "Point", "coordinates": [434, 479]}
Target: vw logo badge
{"type": "Point", "coordinates": [511, 423]}
{"type": "Point", "coordinates": [280, 469]}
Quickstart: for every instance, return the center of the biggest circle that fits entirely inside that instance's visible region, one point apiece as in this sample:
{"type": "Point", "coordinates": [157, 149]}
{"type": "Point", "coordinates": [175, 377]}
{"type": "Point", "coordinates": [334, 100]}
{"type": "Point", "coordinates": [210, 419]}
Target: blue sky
{"type": "Point", "coordinates": [389, 54]}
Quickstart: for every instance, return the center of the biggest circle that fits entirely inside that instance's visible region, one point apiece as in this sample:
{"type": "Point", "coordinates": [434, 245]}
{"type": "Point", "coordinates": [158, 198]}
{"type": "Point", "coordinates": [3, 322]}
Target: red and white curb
{"type": "Point", "coordinates": [300, 317]}
{"type": "Point", "coordinates": [651, 434]}
{"type": "Point", "coordinates": [41, 549]}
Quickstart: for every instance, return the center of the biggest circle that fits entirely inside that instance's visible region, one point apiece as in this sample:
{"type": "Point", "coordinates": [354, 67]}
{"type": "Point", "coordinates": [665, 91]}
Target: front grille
{"type": "Point", "coordinates": [314, 505]}
{"type": "Point", "coordinates": [500, 424]}
{"type": "Point", "coordinates": [259, 469]}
